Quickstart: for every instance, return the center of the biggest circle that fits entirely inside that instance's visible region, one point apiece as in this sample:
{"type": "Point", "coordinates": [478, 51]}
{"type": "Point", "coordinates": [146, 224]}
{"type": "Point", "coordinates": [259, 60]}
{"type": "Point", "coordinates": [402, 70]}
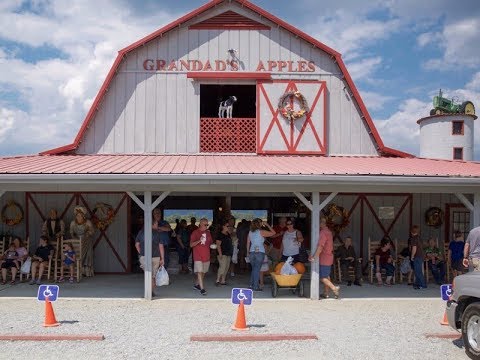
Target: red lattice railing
{"type": "Point", "coordinates": [236, 135]}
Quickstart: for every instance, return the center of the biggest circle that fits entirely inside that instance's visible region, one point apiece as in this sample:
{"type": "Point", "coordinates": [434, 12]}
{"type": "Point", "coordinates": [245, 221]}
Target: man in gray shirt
{"type": "Point", "coordinates": [471, 251]}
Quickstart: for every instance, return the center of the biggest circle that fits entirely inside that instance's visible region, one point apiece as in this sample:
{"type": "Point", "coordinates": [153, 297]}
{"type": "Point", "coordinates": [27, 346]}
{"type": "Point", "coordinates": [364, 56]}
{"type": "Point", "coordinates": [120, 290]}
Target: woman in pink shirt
{"type": "Point", "coordinates": [325, 252]}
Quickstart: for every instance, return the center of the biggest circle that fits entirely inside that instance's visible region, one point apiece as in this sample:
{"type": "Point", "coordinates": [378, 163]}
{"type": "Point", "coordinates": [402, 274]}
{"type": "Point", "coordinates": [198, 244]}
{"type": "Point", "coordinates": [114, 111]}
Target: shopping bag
{"type": "Point", "coordinates": [161, 278]}
{"type": "Point", "coordinates": [287, 268]}
{"type": "Point", "coordinates": [25, 269]}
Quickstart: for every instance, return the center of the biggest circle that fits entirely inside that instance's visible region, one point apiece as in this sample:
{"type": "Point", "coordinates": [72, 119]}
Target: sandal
{"type": "Point", "coordinates": [12, 282]}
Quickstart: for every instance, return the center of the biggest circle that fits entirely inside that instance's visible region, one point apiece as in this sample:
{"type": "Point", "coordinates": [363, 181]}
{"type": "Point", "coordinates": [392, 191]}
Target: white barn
{"type": "Point", "coordinates": [300, 129]}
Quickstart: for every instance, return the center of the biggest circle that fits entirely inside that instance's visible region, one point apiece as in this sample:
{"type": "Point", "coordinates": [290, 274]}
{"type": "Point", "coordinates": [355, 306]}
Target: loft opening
{"type": "Point", "coordinates": [212, 95]}
{"type": "Point", "coordinates": [228, 135]}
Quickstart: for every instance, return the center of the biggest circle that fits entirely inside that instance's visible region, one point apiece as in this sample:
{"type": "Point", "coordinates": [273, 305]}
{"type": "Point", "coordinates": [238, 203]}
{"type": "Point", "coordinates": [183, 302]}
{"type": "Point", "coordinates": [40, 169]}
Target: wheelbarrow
{"type": "Point", "coordinates": [289, 282]}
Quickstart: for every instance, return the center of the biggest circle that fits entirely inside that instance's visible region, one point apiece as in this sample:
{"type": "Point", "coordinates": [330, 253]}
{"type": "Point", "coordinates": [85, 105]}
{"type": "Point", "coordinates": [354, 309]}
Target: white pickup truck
{"type": "Point", "coordinates": [463, 311]}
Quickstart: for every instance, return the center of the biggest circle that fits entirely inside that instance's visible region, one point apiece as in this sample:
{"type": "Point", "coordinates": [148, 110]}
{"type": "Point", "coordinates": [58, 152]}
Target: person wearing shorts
{"type": "Point", "coordinates": [200, 241]}
{"type": "Point", "coordinates": [325, 253]}
{"type": "Point", "coordinates": [158, 252]}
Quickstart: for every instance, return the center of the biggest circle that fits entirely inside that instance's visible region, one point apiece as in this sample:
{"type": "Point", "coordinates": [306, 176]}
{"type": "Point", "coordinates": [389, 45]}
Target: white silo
{"type": "Point", "coordinates": [448, 132]}
{"type": "Point", "coordinates": [448, 136]}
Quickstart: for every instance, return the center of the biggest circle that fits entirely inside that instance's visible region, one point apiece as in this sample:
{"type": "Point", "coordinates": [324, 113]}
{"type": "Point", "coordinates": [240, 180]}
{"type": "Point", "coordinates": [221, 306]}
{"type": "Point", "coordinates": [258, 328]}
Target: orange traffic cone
{"type": "Point", "coordinates": [240, 322]}
{"type": "Point", "coordinates": [444, 321]}
{"type": "Point", "coordinates": [49, 315]}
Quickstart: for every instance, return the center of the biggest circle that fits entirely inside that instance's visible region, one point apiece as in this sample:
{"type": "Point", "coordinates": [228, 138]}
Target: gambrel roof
{"type": "Point", "coordinates": [232, 22]}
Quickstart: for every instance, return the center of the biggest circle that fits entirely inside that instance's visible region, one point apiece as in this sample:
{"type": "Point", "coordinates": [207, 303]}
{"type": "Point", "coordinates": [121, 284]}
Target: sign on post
{"type": "Point", "coordinates": [239, 294]}
{"type": "Point", "coordinates": [446, 291]}
{"type": "Point", "coordinates": [50, 291]}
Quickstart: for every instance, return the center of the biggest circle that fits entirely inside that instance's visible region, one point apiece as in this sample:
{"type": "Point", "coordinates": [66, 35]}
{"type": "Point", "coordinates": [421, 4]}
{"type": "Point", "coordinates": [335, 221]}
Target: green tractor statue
{"type": "Point", "coordinates": [443, 105]}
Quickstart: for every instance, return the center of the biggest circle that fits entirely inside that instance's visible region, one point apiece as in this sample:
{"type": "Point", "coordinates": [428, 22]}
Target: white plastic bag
{"type": "Point", "coordinates": [161, 277]}
{"type": "Point", "coordinates": [287, 268]}
{"type": "Point", "coordinates": [25, 269]}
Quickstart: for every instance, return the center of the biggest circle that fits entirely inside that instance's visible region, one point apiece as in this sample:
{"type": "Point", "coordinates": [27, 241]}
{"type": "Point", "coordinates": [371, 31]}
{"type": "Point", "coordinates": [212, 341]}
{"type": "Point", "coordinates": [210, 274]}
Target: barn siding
{"type": "Point", "coordinates": [153, 112]}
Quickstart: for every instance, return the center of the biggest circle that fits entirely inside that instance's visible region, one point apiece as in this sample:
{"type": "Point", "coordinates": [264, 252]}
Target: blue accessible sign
{"type": "Point", "coordinates": [50, 291]}
{"type": "Point", "coordinates": [446, 291]}
{"type": "Point", "coordinates": [239, 294]}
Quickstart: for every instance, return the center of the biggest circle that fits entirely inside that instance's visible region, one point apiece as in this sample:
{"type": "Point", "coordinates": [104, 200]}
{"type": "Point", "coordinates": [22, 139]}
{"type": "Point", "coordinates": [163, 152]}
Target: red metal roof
{"type": "Point", "coordinates": [383, 150]}
{"type": "Point", "coordinates": [235, 164]}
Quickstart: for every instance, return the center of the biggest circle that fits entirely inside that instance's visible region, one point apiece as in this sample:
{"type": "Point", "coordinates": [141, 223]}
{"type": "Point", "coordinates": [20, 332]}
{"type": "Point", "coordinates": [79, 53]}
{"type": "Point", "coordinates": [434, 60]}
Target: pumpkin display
{"type": "Point", "coordinates": [278, 268]}
{"type": "Point", "coordinates": [300, 267]}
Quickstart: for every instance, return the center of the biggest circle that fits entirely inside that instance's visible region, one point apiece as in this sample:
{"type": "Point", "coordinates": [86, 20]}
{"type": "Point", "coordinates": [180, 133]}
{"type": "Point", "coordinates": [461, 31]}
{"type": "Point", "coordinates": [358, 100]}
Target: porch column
{"type": "Point", "coordinates": [148, 207]}
{"type": "Point", "coordinates": [475, 219]}
{"type": "Point", "coordinates": [315, 279]}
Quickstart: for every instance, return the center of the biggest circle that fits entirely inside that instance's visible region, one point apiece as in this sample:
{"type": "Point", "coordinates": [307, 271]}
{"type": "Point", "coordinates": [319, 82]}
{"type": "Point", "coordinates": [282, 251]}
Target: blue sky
{"type": "Point", "coordinates": [54, 56]}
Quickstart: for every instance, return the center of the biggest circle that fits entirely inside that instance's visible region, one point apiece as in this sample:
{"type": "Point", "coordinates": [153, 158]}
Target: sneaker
{"type": "Point", "coordinates": [32, 282]}
{"type": "Point", "coordinates": [38, 282]}
{"type": "Point", "coordinates": [232, 274]}
{"type": "Point", "coordinates": [197, 287]}
{"type": "Point", "coordinates": [203, 292]}
{"type": "Point", "coordinates": [336, 292]}
{"type": "Point", "coordinates": [324, 296]}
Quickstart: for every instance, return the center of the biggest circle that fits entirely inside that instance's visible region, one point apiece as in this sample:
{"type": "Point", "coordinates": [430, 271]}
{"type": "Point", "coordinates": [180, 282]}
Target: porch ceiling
{"type": "Point", "coordinates": [236, 173]}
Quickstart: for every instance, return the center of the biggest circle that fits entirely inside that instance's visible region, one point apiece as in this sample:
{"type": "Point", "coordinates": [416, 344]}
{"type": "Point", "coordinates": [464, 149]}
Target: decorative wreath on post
{"type": "Point", "coordinates": [103, 215]}
{"type": "Point", "coordinates": [434, 217]}
{"type": "Point", "coordinates": [285, 105]}
{"type": "Point", "coordinates": [12, 207]}
{"type": "Point", "coordinates": [337, 217]}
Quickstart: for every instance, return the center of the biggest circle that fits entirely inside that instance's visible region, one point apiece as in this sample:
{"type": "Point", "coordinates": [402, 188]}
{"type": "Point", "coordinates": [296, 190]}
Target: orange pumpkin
{"type": "Point", "coordinates": [300, 267]}
{"type": "Point", "coordinates": [278, 268]}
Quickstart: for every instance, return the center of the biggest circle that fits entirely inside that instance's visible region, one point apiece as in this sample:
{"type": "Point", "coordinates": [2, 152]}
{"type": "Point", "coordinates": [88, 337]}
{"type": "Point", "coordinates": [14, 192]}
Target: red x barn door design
{"type": "Point", "coordinates": [277, 135]}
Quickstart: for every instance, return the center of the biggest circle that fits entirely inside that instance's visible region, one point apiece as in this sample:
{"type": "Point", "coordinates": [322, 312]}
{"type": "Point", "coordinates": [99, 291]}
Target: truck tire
{"type": "Point", "coordinates": [432, 112]}
{"type": "Point", "coordinates": [467, 108]}
{"type": "Point", "coordinates": [471, 330]}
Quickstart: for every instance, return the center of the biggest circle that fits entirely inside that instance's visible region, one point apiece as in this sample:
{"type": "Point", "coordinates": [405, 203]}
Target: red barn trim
{"type": "Point", "coordinates": [334, 54]}
{"type": "Point", "coordinates": [229, 20]}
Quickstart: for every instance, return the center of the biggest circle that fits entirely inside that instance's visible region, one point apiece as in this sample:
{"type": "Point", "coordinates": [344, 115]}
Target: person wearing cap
{"type": "Point", "coordinates": [82, 228]}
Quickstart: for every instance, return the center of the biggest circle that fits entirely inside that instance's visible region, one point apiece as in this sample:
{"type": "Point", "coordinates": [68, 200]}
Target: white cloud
{"type": "Point", "coordinates": [428, 38]}
{"type": "Point", "coordinates": [363, 69]}
{"type": "Point", "coordinates": [58, 92]}
{"type": "Point", "coordinates": [474, 84]}
{"type": "Point", "coordinates": [375, 101]}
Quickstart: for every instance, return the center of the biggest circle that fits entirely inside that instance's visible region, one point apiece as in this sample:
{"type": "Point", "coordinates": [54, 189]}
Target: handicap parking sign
{"type": "Point", "coordinates": [446, 291]}
{"type": "Point", "coordinates": [239, 294]}
{"type": "Point", "coordinates": [50, 291]}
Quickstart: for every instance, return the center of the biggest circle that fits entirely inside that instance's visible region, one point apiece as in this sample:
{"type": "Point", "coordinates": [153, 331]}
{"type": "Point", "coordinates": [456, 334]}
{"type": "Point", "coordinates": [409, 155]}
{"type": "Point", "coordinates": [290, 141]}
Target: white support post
{"type": "Point", "coordinates": [315, 278]}
{"type": "Point", "coordinates": [304, 200]}
{"type": "Point", "coordinates": [327, 200]}
{"type": "Point", "coordinates": [465, 201]}
{"type": "Point", "coordinates": [476, 210]}
{"type": "Point", "coordinates": [148, 244]}
{"type": "Point", "coordinates": [147, 208]}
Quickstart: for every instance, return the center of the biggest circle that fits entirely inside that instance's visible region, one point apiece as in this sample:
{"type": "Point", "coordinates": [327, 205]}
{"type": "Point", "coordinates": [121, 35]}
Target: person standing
{"type": "Point", "coordinates": [225, 252]}
{"type": "Point", "coordinates": [324, 252]}
{"type": "Point", "coordinates": [471, 252]}
{"type": "Point", "coordinates": [158, 252]}
{"type": "Point", "coordinates": [277, 239]}
{"type": "Point", "coordinates": [418, 258]}
{"type": "Point", "coordinates": [183, 246]}
{"type": "Point", "coordinates": [164, 229]}
{"type": "Point", "coordinates": [291, 242]}
{"type": "Point", "coordinates": [200, 242]}
{"type": "Point", "coordinates": [256, 250]}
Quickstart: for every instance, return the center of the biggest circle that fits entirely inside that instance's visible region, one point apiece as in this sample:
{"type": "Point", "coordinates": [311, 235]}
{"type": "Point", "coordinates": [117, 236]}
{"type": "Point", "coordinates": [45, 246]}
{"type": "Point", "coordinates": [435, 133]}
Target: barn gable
{"type": "Point", "coordinates": [151, 100]}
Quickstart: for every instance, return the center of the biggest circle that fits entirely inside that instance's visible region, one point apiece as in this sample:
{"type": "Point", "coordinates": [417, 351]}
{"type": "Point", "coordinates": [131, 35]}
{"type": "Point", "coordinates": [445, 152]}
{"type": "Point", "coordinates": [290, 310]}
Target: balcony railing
{"type": "Point", "coordinates": [235, 135]}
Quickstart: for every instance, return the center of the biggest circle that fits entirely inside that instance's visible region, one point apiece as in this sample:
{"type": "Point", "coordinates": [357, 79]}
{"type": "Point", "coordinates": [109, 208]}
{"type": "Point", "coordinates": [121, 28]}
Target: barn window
{"type": "Point", "coordinates": [457, 127]}
{"type": "Point", "coordinates": [458, 153]}
{"type": "Point", "coordinates": [228, 135]}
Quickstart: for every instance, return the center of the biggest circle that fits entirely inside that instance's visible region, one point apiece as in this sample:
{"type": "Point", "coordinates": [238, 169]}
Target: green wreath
{"type": "Point", "coordinates": [12, 205]}
{"type": "Point", "coordinates": [286, 109]}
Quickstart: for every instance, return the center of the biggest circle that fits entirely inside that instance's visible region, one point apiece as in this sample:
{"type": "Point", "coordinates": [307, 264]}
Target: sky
{"type": "Point", "coordinates": [55, 54]}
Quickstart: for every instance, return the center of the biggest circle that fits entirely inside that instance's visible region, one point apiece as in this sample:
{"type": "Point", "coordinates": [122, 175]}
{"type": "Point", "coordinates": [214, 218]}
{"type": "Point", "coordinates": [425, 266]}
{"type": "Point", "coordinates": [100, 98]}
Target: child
{"type": "Point", "coordinates": [9, 262]}
{"type": "Point", "coordinates": [68, 259]}
{"type": "Point", "coordinates": [265, 265]}
{"type": "Point", "coordinates": [455, 252]}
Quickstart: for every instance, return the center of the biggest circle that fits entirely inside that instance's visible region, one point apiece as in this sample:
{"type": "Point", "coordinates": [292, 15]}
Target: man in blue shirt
{"type": "Point", "coordinates": [163, 229]}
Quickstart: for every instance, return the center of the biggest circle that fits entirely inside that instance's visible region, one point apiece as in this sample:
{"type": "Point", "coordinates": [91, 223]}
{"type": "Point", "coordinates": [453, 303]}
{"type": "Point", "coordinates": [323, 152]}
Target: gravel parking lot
{"type": "Point", "coordinates": [161, 329]}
